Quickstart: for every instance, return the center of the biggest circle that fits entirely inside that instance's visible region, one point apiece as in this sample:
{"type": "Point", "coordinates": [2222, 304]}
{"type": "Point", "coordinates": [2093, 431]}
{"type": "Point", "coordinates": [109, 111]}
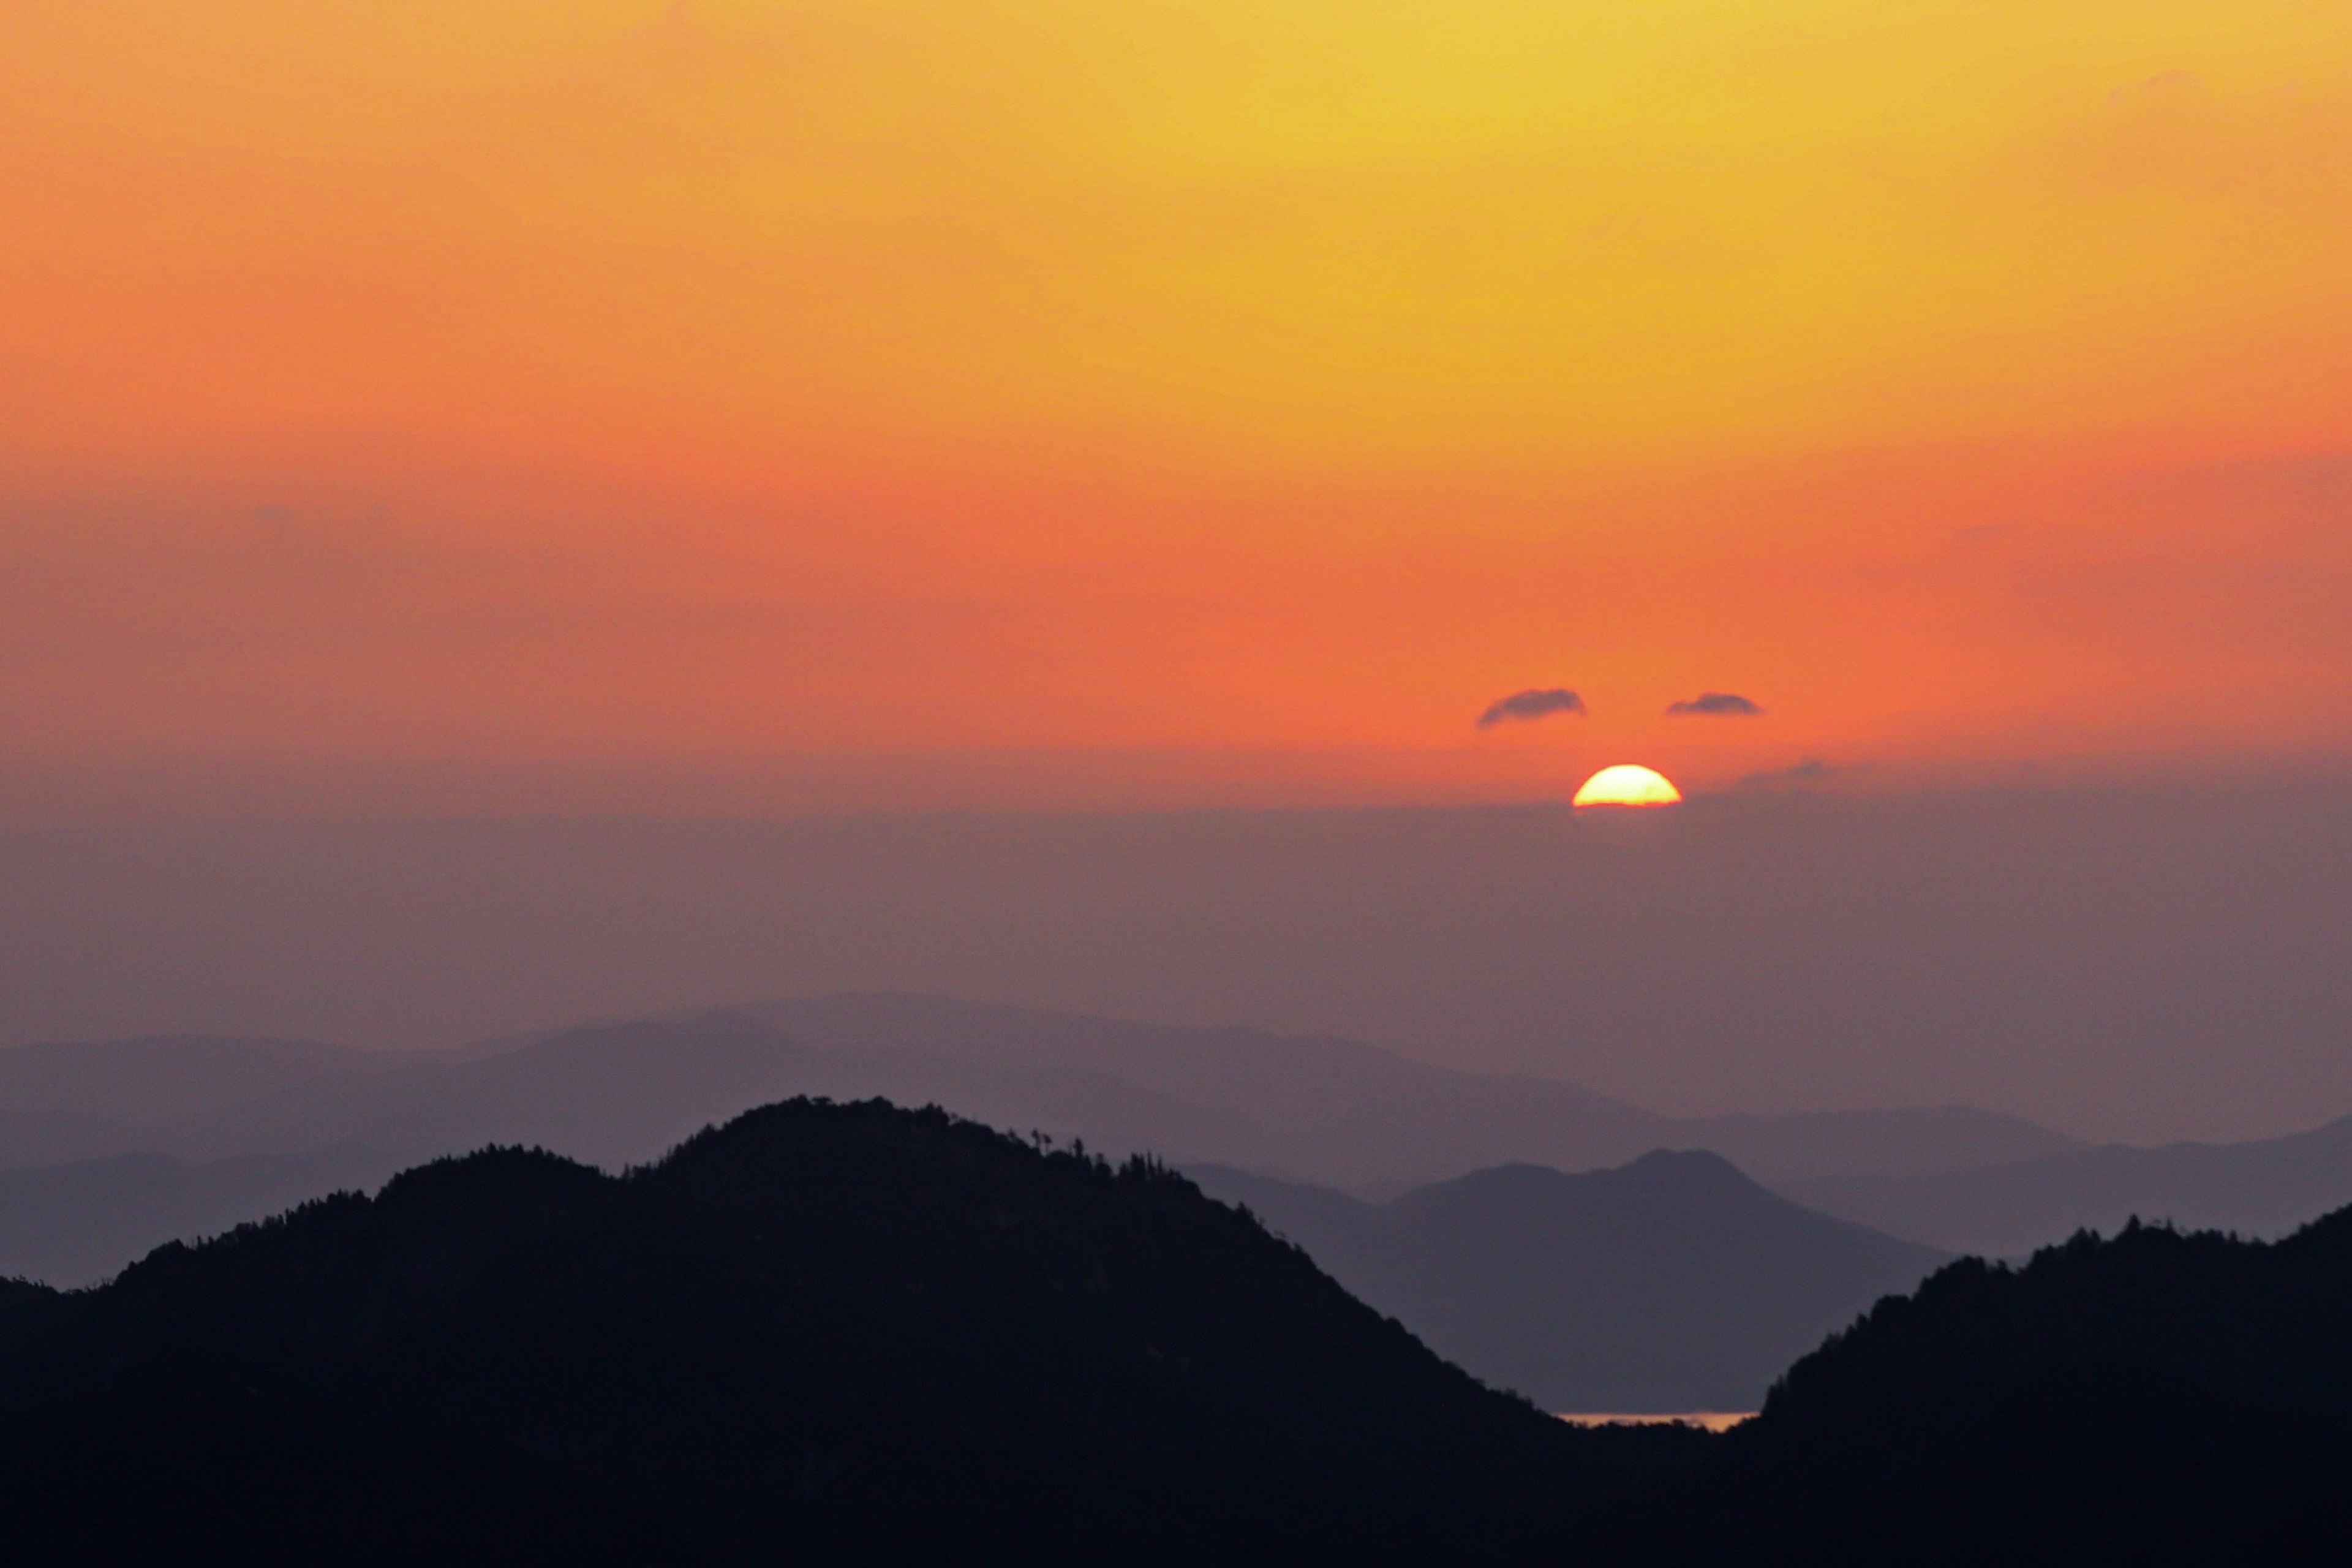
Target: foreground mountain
{"type": "Point", "coordinates": [857, 1335]}
{"type": "Point", "coordinates": [823, 1334]}
{"type": "Point", "coordinates": [2158, 1398]}
{"type": "Point", "coordinates": [2265, 1188]}
{"type": "Point", "coordinates": [1672, 1284]}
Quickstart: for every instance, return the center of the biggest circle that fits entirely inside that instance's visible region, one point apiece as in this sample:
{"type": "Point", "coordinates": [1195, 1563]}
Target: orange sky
{"type": "Point", "coordinates": [1263, 387]}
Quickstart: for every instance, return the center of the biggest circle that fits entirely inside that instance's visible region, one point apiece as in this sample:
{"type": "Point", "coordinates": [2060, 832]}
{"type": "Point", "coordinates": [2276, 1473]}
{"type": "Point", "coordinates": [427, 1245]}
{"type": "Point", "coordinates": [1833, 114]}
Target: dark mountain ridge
{"type": "Point", "coordinates": [859, 1336]}
{"type": "Point", "coordinates": [823, 1333]}
{"type": "Point", "coordinates": [2161, 1398]}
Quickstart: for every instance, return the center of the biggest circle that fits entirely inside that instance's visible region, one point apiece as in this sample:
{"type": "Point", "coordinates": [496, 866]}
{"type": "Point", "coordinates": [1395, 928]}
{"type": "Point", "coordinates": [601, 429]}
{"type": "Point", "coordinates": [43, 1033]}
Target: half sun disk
{"type": "Point", "coordinates": [1627, 784]}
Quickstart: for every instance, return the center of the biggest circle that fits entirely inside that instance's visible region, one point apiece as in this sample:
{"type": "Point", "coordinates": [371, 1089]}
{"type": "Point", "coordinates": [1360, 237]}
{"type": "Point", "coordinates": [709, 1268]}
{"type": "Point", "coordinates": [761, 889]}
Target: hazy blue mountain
{"type": "Point", "coordinates": [613, 1094]}
{"type": "Point", "coordinates": [1334, 1111]}
{"type": "Point", "coordinates": [70, 1098]}
{"type": "Point", "coordinates": [1344, 1111]}
{"type": "Point", "coordinates": [1673, 1283]}
{"type": "Point", "coordinates": [2161, 1399]}
{"type": "Point", "coordinates": [1792, 1148]}
{"type": "Point", "coordinates": [825, 1334]}
{"type": "Point", "coordinates": [2263, 1188]}
{"type": "Point", "coordinates": [1340, 1113]}
{"type": "Point", "coordinates": [1328, 1111]}
{"type": "Point", "coordinates": [616, 1095]}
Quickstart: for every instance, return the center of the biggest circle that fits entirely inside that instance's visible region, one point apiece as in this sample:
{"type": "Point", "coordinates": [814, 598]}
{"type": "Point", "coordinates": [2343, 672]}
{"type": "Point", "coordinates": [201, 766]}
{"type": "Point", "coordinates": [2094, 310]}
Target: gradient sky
{"type": "Point", "coordinates": [1227, 383]}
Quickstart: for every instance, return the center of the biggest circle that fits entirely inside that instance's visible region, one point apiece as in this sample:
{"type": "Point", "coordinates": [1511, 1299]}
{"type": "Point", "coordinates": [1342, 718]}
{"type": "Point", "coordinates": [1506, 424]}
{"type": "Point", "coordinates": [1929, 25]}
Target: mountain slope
{"type": "Point", "coordinates": [824, 1333]}
{"type": "Point", "coordinates": [1673, 1283]}
{"type": "Point", "coordinates": [2158, 1398]}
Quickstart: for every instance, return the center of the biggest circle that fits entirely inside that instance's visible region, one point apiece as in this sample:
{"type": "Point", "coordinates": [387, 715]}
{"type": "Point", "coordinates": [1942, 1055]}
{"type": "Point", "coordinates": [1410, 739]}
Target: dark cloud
{"type": "Point", "coordinates": [1532, 704]}
{"type": "Point", "coordinates": [1720, 704]}
{"type": "Point", "coordinates": [1812, 771]}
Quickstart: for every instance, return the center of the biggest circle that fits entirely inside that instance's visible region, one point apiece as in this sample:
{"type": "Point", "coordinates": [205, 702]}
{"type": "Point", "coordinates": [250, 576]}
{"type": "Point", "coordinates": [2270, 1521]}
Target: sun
{"type": "Point", "coordinates": [1627, 784]}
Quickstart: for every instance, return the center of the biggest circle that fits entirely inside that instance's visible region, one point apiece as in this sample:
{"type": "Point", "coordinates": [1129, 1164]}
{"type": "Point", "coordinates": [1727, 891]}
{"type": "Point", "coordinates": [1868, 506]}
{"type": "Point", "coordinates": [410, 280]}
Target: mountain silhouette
{"type": "Point", "coordinates": [823, 1333]}
{"type": "Point", "coordinates": [1673, 1283]}
{"type": "Point", "coordinates": [2161, 1397]}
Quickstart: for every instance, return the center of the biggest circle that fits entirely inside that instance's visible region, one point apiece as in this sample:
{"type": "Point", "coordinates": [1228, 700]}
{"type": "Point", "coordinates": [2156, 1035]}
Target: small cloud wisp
{"type": "Point", "coordinates": [1532, 704]}
{"type": "Point", "coordinates": [1715, 704]}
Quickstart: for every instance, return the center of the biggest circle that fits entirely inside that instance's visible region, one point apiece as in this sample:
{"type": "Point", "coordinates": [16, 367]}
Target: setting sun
{"type": "Point", "coordinates": [1628, 784]}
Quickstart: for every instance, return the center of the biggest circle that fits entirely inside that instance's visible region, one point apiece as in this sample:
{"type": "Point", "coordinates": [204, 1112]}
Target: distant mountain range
{"type": "Point", "coordinates": [823, 1334]}
{"type": "Point", "coordinates": [80, 1098]}
{"type": "Point", "coordinates": [2264, 1188]}
{"type": "Point", "coordinates": [1342, 1114]}
{"type": "Point", "coordinates": [1673, 1283]}
{"type": "Point", "coordinates": [1325, 1112]}
{"type": "Point", "coordinates": [1335, 1112]}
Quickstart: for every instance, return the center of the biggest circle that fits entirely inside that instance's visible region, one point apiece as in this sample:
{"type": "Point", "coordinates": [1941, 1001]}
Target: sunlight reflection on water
{"type": "Point", "coordinates": [1713, 1420]}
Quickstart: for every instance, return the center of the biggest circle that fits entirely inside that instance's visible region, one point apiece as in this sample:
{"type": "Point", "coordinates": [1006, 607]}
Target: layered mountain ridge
{"type": "Point", "coordinates": [1324, 1112]}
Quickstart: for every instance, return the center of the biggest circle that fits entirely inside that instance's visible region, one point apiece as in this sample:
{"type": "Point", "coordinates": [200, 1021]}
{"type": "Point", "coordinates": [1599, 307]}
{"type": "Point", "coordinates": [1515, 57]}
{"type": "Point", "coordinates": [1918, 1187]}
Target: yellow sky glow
{"type": "Point", "coordinates": [1967, 383]}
